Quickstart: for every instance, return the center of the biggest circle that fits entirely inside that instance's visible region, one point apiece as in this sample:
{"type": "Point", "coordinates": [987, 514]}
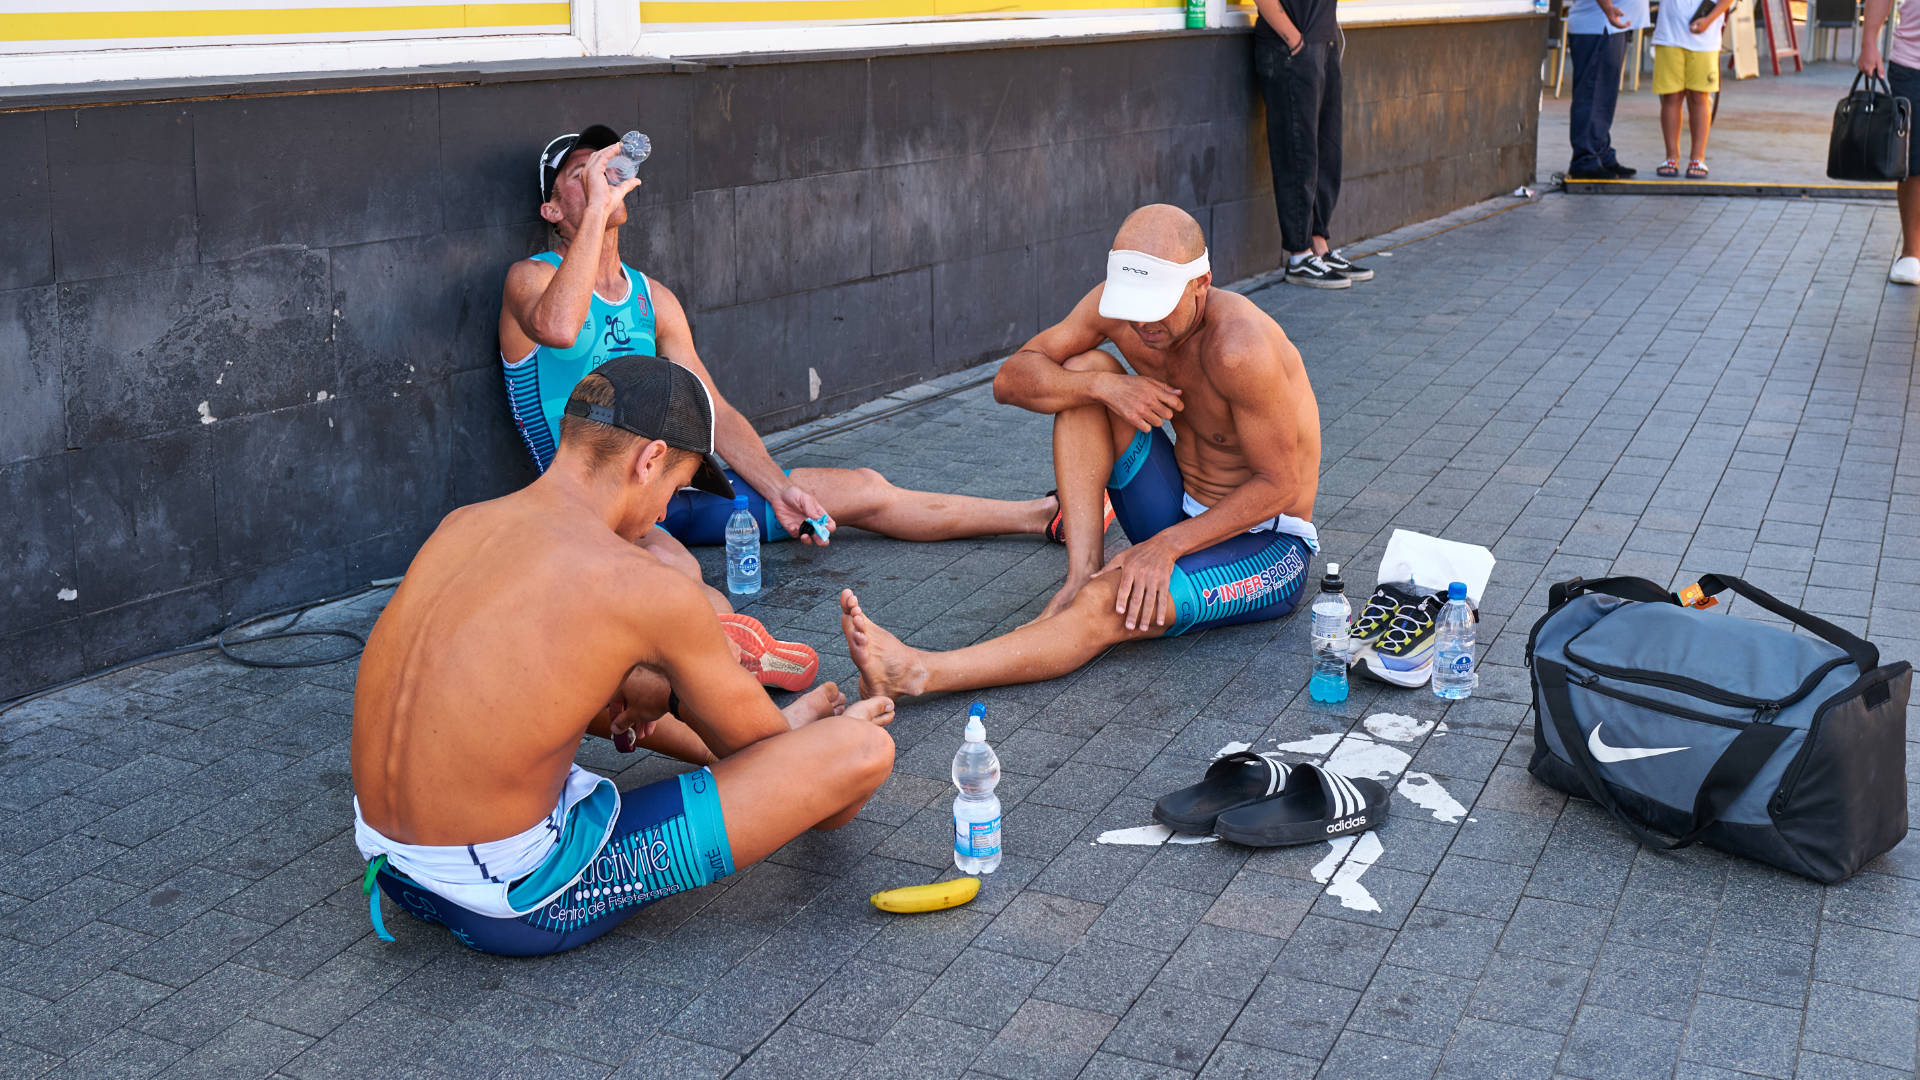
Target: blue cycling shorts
{"type": "Point", "coordinates": [668, 837]}
{"type": "Point", "coordinates": [1244, 578]}
{"type": "Point", "coordinates": [700, 517]}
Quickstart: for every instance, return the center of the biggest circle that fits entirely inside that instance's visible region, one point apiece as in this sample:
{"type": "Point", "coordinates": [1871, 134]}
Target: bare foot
{"type": "Point", "coordinates": [887, 667]}
{"type": "Point", "coordinates": [877, 709]}
{"type": "Point", "coordinates": [820, 702]}
{"type": "Point", "coordinates": [1063, 599]}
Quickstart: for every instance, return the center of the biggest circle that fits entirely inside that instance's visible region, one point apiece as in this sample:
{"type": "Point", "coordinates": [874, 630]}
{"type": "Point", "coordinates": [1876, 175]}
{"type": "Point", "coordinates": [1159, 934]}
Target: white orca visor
{"type": "Point", "coordinates": [1144, 288]}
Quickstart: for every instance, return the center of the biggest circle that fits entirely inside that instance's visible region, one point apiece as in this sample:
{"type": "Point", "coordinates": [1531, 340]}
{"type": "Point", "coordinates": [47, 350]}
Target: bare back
{"type": "Point", "coordinates": [509, 634]}
{"type": "Point", "coordinates": [1213, 459]}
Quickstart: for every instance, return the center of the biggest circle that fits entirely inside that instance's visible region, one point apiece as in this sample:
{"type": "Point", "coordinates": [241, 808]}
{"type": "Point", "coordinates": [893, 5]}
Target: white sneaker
{"type": "Point", "coordinates": [1906, 271]}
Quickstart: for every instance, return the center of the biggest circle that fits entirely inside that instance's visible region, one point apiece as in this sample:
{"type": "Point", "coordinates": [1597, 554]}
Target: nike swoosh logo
{"type": "Point", "coordinates": [1602, 752]}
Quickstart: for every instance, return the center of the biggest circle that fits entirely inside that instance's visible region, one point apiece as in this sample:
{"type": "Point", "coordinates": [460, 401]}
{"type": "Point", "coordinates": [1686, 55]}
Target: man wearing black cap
{"type": "Point", "coordinates": [529, 621]}
{"type": "Point", "coordinates": [566, 311]}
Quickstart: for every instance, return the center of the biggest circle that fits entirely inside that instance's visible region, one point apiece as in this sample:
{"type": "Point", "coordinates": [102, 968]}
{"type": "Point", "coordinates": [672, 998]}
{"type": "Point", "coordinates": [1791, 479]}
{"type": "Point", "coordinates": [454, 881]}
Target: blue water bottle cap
{"type": "Point", "coordinates": [739, 502]}
{"type": "Point", "coordinates": [1457, 591]}
{"type": "Point", "coordinates": [978, 708]}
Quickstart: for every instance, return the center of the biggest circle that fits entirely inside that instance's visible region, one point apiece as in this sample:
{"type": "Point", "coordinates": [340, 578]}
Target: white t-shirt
{"type": "Point", "coordinates": [1673, 26]}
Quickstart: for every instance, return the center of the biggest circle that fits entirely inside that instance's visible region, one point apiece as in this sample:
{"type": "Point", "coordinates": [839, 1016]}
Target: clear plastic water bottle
{"type": "Point", "coordinates": [1453, 675]}
{"type": "Point", "coordinates": [743, 550]}
{"type": "Point", "coordinates": [1331, 613]}
{"type": "Point", "coordinates": [976, 810]}
{"type": "Point", "coordinates": [634, 149]}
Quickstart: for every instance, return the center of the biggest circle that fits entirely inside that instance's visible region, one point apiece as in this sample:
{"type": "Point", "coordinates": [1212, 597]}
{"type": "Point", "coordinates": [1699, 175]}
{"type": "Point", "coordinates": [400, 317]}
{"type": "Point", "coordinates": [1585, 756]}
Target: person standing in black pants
{"type": "Point", "coordinates": [1597, 33]}
{"type": "Point", "coordinates": [1296, 60]}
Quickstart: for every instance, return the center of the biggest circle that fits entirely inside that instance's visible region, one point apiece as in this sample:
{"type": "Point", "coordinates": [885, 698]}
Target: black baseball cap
{"type": "Point", "coordinates": [592, 137]}
{"type": "Point", "coordinates": [659, 399]}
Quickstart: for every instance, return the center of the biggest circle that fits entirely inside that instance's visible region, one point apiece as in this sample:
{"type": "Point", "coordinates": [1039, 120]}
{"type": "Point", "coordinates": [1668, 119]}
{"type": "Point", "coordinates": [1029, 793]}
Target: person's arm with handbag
{"type": "Point", "coordinates": [1875, 14]}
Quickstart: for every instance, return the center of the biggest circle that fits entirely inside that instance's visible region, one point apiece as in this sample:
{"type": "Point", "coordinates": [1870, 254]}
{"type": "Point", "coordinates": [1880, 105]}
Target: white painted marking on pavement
{"type": "Point", "coordinates": [1395, 727]}
{"type": "Point", "coordinates": [1427, 793]}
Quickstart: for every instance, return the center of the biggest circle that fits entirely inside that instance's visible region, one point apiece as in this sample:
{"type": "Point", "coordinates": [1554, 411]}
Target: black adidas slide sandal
{"type": "Point", "coordinates": [1234, 780]}
{"type": "Point", "coordinates": [1314, 805]}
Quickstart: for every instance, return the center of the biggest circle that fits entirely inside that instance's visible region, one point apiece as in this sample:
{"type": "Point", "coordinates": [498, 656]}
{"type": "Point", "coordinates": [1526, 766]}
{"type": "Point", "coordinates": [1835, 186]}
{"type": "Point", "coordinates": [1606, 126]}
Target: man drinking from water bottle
{"type": "Point", "coordinates": [1219, 514]}
{"type": "Point", "coordinates": [566, 311]}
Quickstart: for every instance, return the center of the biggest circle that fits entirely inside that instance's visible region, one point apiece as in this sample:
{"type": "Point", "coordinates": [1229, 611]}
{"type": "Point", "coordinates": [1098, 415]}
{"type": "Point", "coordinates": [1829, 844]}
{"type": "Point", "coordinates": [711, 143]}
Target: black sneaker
{"type": "Point", "coordinates": [1623, 172]}
{"type": "Point", "coordinates": [1403, 656]}
{"type": "Point", "coordinates": [1372, 621]}
{"type": "Point", "coordinates": [1315, 274]}
{"type": "Point", "coordinates": [1599, 173]}
{"type": "Point", "coordinates": [1340, 264]}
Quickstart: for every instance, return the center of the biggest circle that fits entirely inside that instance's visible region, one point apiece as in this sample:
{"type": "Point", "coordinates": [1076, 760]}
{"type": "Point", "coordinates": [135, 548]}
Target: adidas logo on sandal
{"type": "Point", "coordinates": [1347, 823]}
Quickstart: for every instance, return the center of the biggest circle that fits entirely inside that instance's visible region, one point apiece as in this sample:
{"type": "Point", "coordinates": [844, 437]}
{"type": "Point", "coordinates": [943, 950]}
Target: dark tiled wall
{"type": "Point", "coordinates": [247, 344]}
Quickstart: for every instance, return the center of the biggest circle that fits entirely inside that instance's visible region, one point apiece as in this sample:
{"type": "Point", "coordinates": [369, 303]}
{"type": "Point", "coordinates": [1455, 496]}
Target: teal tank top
{"type": "Point", "coordinates": [539, 385]}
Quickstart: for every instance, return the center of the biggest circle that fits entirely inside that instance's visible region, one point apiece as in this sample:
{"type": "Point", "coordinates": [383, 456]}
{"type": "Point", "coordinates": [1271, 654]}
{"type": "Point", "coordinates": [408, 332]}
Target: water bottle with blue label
{"type": "Point", "coordinates": [1453, 676]}
{"type": "Point", "coordinates": [743, 550]}
{"type": "Point", "coordinates": [976, 810]}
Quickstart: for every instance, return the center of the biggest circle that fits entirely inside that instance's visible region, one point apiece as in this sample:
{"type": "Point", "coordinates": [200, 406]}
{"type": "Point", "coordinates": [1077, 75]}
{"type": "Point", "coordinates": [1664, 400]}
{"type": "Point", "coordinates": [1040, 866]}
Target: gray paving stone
{"type": "Point", "coordinates": [1333, 951]}
{"type": "Point", "coordinates": [1105, 1066]}
{"type": "Point", "coordinates": [1039, 926]}
{"type": "Point", "coordinates": [1563, 933]}
{"type": "Point", "coordinates": [122, 1055]}
{"type": "Point", "coordinates": [1044, 1040]}
{"type": "Point", "coordinates": [1529, 992]}
{"type": "Point", "coordinates": [1609, 1045]}
{"type": "Point", "coordinates": [1850, 1023]}
{"type": "Point", "coordinates": [1218, 961]}
{"type": "Point", "coordinates": [664, 1055]}
{"type": "Point", "coordinates": [1813, 1066]}
{"type": "Point", "coordinates": [1758, 969]}
{"type": "Point", "coordinates": [1484, 1050]}
{"type": "Point", "coordinates": [1868, 960]}
{"type": "Point", "coordinates": [982, 989]}
{"type": "Point", "coordinates": [1664, 922]}
{"type": "Point", "coordinates": [1369, 1057]}
{"type": "Point", "coordinates": [862, 1000]}
{"type": "Point", "coordinates": [211, 1004]}
{"type": "Point", "coordinates": [1445, 942]}
{"type": "Point", "coordinates": [1152, 916]}
{"type": "Point", "coordinates": [1173, 1026]}
{"type": "Point", "coordinates": [1475, 887]}
{"type": "Point", "coordinates": [920, 1046]}
{"type": "Point", "coordinates": [797, 1053]}
{"type": "Point", "coordinates": [1240, 1061]}
{"type": "Point", "coordinates": [1101, 975]}
{"type": "Point", "coordinates": [1294, 1016]}
{"type": "Point", "coordinates": [1743, 1035]}
{"type": "Point", "coordinates": [540, 1063]}
{"type": "Point", "coordinates": [249, 1047]}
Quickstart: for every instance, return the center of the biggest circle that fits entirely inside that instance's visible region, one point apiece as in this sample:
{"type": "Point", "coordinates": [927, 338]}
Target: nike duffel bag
{"type": "Point", "coordinates": [1783, 747]}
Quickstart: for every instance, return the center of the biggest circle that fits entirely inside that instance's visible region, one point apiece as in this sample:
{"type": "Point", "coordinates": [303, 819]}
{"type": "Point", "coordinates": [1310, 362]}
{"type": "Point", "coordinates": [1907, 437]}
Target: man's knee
{"type": "Point", "coordinates": [1093, 360]}
{"type": "Point", "coordinates": [864, 750]}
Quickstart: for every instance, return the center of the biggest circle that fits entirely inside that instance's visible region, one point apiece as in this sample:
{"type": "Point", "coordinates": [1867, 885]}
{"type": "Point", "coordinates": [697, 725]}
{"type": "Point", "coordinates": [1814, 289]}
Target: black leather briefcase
{"type": "Point", "coordinates": [1871, 129]}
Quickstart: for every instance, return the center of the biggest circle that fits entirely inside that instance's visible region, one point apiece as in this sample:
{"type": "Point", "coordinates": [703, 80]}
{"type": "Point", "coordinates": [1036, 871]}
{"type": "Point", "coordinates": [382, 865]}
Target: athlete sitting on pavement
{"type": "Point", "coordinates": [566, 311]}
{"type": "Point", "coordinates": [1219, 515]}
{"type": "Point", "coordinates": [529, 621]}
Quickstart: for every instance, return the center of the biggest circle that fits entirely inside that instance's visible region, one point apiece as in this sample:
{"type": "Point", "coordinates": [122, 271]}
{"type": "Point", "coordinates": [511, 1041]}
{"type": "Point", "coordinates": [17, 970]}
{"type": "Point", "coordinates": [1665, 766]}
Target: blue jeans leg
{"type": "Point", "coordinates": [1597, 62]}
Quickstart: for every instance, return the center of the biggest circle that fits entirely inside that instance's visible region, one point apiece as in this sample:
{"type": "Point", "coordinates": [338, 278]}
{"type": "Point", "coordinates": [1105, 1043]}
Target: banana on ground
{"type": "Point", "coordinates": [934, 897]}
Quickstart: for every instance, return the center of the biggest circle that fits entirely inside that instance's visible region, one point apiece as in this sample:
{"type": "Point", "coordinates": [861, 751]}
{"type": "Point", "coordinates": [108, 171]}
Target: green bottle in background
{"type": "Point", "coordinates": [1196, 14]}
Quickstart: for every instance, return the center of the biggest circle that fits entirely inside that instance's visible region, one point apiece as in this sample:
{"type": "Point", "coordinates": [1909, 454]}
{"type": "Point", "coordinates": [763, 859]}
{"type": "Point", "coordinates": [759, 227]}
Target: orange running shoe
{"type": "Point", "coordinates": [788, 665]}
{"type": "Point", "coordinates": [1058, 535]}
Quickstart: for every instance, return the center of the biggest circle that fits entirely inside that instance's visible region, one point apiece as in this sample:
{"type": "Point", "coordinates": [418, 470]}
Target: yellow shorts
{"type": "Point", "coordinates": [1676, 69]}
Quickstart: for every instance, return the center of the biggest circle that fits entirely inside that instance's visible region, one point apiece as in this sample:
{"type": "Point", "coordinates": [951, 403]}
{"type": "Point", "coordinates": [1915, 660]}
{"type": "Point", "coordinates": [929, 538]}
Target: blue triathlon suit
{"type": "Point", "coordinates": [668, 837]}
{"type": "Point", "coordinates": [1246, 578]}
{"type": "Point", "coordinates": [539, 384]}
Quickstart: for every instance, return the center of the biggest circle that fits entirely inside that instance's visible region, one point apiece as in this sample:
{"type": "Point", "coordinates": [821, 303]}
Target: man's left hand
{"type": "Point", "coordinates": [1699, 26]}
{"type": "Point", "coordinates": [796, 506]}
{"type": "Point", "coordinates": [1143, 596]}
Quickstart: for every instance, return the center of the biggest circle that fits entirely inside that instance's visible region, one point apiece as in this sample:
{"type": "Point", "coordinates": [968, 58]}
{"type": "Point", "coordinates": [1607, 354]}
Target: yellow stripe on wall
{"type": "Point", "coordinates": [265, 22]}
{"type": "Point", "coordinates": [732, 11]}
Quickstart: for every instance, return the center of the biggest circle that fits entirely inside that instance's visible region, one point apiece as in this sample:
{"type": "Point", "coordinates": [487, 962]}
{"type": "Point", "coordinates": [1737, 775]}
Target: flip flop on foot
{"type": "Point", "coordinates": [1056, 530]}
{"type": "Point", "coordinates": [1697, 170]}
{"type": "Point", "coordinates": [1668, 168]}
{"type": "Point", "coordinates": [787, 665]}
{"type": "Point", "coordinates": [1232, 781]}
{"type": "Point", "coordinates": [1314, 805]}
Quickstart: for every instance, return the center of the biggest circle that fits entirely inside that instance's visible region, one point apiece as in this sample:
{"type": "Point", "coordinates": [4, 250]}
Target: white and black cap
{"type": "Point", "coordinates": [1145, 288]}
{"type": "Point", "coordinates": [659, 399]}
{"type": "Point", "coordinates": [554, 154]}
